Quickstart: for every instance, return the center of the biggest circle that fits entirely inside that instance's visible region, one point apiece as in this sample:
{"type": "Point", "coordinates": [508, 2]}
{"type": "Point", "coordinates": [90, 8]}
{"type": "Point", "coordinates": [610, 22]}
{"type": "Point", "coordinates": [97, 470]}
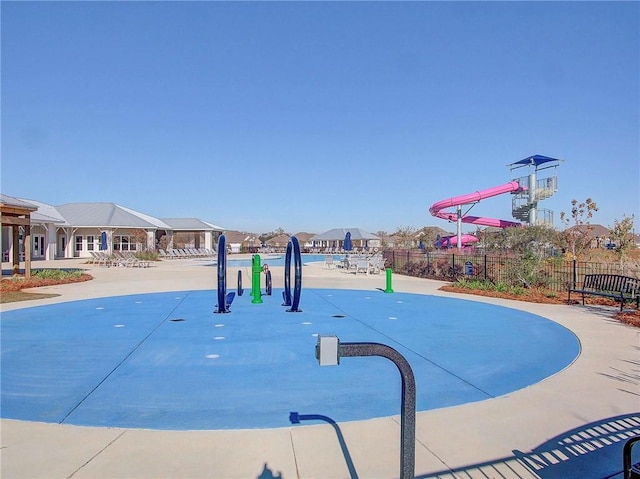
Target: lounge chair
{"type": "Point", "coordinates": [362, 266]}
{"type": "Point", "coordinates": [93, 259]}
{"type": "Point", "coordinates": [103, 259]}
{"type": "Point", "coordinates": [351, 264]}
{"type": "Point", "coordinates": [328, 262]}
{"type": "Point", "coordinates": [134, 262]}
{"type": "Point", "coordinates": [376, 264]}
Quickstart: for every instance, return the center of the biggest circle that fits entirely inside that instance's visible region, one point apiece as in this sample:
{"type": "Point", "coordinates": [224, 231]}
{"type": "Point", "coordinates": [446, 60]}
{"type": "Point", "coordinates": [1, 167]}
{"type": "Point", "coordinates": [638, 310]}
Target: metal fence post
{"type": "Point", "coordinates": [485, 267]}
{"type": "Point", "coordinates": [453, 265]}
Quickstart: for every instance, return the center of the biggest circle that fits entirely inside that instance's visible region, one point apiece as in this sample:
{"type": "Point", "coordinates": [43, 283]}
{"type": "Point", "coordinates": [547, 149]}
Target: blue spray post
{"type": "Point", "coordinates": [256, 270]}
{"type": "Point", "coordinates": [293, 249]}
{"type": "Point", "coordinates": [224, 299]}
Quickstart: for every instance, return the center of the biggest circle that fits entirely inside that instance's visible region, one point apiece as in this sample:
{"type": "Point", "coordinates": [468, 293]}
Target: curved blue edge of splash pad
{"type": "Point", "coordinates": [166, 361]}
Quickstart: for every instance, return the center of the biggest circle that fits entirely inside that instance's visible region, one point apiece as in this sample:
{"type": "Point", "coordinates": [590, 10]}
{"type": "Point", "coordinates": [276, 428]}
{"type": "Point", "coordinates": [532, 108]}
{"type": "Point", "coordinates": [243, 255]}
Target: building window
{"type": "Point", "coordinates": [78, 243]}
{"type": "Point", "coordinates": [90, 243]}
{"type": "Point", "coordinates": [123, 243]}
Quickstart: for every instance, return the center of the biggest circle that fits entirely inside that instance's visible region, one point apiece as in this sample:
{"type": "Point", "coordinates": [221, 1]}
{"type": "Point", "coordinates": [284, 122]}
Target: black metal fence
{"type": "Point", "coordinates": [553, 273]}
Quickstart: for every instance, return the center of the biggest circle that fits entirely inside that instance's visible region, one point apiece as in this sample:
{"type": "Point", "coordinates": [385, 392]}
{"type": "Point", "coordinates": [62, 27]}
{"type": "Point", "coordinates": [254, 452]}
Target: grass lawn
{"type": "Point", "coordinates": [11, 288]}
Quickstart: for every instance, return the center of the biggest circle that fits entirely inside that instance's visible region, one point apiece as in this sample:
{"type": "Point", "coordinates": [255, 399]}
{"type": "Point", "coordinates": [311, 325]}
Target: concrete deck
{"type": "Point", "coordinates": [572, 424]}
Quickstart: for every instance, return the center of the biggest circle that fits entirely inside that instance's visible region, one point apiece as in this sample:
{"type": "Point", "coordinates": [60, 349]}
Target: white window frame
{"type": "Point", "coordinates": [119, 241]}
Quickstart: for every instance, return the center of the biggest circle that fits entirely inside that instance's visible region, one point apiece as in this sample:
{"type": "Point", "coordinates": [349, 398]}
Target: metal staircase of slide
{"type": "Point", "coordinates": [522, 202]}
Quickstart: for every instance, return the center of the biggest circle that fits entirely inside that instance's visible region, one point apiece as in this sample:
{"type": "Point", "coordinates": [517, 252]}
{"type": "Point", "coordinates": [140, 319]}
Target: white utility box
{"type": "Point", "coordinates": [327, 350]}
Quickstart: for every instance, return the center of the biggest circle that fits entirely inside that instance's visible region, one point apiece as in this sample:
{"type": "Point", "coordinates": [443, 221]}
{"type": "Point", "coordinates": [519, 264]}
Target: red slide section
{"type": "Point", "coordinates": [436, 208]}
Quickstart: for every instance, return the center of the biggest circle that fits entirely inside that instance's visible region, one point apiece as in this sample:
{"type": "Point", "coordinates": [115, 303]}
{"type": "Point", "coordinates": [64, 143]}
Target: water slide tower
{"type": "Point", "coordinates": [540, 183]}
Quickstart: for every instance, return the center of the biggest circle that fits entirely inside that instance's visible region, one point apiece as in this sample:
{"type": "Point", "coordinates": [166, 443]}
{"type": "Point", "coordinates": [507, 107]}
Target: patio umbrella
{"type": "Point", "coordinates": [103, 241]}
{"type": "Point", "coordinates": [421, 245]}
{"type": "Point", "coordinates": [347, 246]}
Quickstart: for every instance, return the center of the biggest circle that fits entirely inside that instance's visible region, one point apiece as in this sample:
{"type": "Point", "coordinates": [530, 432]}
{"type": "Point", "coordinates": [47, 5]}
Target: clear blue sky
{"type": "Point", "coordinates": [311, 116]}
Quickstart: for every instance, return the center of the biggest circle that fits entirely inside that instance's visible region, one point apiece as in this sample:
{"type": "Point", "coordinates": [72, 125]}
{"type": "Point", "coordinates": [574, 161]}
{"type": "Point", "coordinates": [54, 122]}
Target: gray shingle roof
{"type": "Point", "coordinates": [190, 224]}
{"type": "Point", "coordinates": [303, 237]}
{"type": "Point", "coordinates": [280, 240]}
{"type": "Point", "coordinates": [11, 201]}
{"type": "Point", "coordinates": [591, 230]}
{"type": "Point", "coordinates": [45, 213]}
{"type": "Point", "coordinates": [107, 215]}
{"type": "Point", "coordinates": [241, 237]}
{"type": "Point", "coordinates": [103, 215]}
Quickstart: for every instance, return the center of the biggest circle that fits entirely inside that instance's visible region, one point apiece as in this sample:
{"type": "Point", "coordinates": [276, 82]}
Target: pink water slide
{"type": "Point", "coordinates": [438, 207]}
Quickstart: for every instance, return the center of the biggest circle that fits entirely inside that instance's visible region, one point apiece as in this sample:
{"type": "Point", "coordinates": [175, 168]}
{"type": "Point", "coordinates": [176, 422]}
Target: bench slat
{"type": "Point", "coordinates": [622, 288]}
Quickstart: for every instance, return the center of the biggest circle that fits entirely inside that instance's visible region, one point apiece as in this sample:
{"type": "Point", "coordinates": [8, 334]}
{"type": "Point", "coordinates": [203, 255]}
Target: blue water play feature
{"type": "Point", "coordinates": [165, 361]}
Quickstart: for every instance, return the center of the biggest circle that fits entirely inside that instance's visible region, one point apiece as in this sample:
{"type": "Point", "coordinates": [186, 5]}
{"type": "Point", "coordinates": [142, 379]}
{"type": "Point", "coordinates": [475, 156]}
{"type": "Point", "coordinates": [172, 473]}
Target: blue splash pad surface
{"type": "Point", "coordinates": [166, 361]}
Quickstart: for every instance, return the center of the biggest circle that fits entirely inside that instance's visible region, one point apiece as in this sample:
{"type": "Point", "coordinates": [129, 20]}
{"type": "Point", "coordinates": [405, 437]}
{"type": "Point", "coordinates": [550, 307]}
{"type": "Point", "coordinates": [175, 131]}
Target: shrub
{"type": "Point", "coordinates": [44, 277]}
{"type": "Point", "coordinates": [147, 256]}
{"type": "Point", "coordinates": [476, 284]}
{"type": "Point", "coordinates": [56, 274]}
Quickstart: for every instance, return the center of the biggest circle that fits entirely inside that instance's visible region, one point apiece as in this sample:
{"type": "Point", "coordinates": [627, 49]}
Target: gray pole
{"type": "Point", "coordinates": [459, 227]}
{"type": "Point", "coordinates": [533, 200]}
{"type": "Point", "coordinates": [408, 408]}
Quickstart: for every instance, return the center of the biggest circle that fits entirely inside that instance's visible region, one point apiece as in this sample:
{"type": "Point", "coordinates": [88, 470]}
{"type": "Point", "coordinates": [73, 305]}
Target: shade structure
{"type": "Point", "coordinates": [347, 246]}
{"type": "Point", "coordinates": [535, 160]}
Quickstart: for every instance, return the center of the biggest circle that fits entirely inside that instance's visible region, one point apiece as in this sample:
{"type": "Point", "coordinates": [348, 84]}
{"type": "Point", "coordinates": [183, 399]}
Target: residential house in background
{"type": "Point", "coordinates": [278, 243]}
{"type": "Point", "coordinates": [427, 236]}
{"type": "Point", "coordinates": [304, 239]}
{"type": "Point", "coordinates": [242, 242]}
{"type": "Point", "coordinates": [599, 236]}
{"type": "Point", "coordinates": [334, 239]}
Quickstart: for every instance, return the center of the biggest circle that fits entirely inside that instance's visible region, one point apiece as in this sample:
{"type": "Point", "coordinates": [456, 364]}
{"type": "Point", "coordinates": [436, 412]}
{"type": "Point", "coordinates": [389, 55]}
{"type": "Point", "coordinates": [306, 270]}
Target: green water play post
{"type": "Point", "coordinates": [256, 269]}
{"type": "Point", "coordinates": [388, 288]}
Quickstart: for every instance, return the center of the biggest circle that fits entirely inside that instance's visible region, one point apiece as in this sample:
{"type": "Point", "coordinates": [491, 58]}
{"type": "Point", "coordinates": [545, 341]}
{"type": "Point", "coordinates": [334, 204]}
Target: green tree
{"type": "Point", "coordinates": [532, 245]}
{"type": "Point", "coordinates": [577, 235]}
{"type": "Point", "coordinates": [429, 235]}
{"type": "Point", "coordinates": [271, 234]}
{"type": "Point", "coordinates": [140, 239]}
{"type": "Point", "coordinates": [492, 239]}
{"type": "Point", "coordinates": [383, 235]}
{"type": "Point", "coordinates": [621, 236]}
{"type": "Point", "coordinates": [405, 236]}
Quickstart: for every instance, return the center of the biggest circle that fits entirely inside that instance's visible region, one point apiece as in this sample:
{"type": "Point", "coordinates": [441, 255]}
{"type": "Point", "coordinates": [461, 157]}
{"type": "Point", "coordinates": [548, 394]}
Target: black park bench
{"type": "Point", "coordinates": [621, 288]}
